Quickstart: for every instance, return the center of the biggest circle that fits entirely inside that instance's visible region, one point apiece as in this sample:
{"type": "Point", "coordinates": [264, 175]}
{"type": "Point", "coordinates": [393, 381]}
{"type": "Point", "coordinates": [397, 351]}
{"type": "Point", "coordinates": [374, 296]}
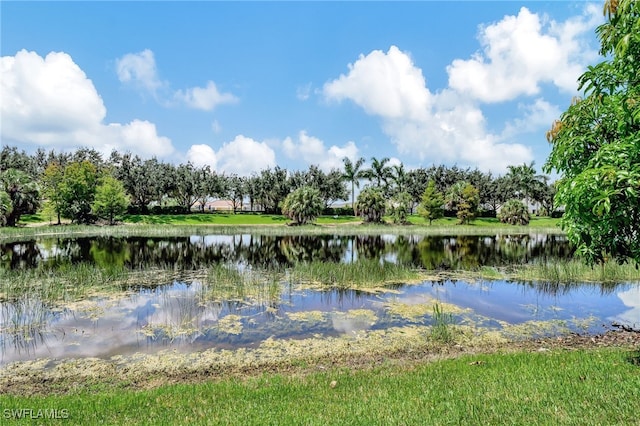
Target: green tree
{"type": "Point", "coordinates": [379, 172]}
{"type": "Point", "coordinates": [514, 212]}
{"type": "Point", "coordinates": [371, 205]}
{"type": "Point", "coordinates": [400, 207]}
{"type": "Point", "coordinates": [432, 204]}
{"type": "Point", "coordinates": [23, 193]}
{"type": "Point", "coordinates": [5, 207]}
{"type": "Point", "coordinates": [110, 200]}
{"type": "Point", "coordinates": [353, 174]}
{"type": "Point", "coordinates": [464, 199]}
{"type": "Point", "coordinates": [51, 182]}
{"type": "Point", "coordinates": [303, 205]}
{"type": "Point", "coordinates": [78, 190]}
{"type": "Point", "coordinates": [596, 145]}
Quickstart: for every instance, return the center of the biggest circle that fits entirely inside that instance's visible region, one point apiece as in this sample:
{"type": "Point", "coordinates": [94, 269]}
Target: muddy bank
{"type": "Point", "coordinates": [406, 346]}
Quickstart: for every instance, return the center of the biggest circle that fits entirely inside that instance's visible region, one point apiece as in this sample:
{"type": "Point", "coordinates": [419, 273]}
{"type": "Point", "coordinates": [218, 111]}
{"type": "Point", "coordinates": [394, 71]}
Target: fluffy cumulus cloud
{"type": "Point", "coordinates": [521, 52]}
{"type": "Point", "coordinates": [242, 156]}
{"type": "Point", "coordinates": [385, 84]}
{"type": "Point", "coordinates": [313, 151]}
{"type": "Point", "coordinates": [204, 98]}
{"type": "Point", "coordinates": [49, 101]}
{"type": "Point", "coordinates": [140, 71]}
{"type": "Point", "coordinates": [441, 127]}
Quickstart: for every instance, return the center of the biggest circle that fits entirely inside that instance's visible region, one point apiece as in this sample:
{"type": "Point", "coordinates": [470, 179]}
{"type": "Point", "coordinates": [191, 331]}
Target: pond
{"type": "Point", "coordinates": [189, 314]}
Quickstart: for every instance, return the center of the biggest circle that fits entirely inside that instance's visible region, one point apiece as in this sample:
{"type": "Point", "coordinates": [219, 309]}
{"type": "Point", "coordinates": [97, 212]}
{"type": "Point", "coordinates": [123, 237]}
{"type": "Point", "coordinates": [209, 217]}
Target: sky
{"type": "Point", "coordinates": [243, 86]}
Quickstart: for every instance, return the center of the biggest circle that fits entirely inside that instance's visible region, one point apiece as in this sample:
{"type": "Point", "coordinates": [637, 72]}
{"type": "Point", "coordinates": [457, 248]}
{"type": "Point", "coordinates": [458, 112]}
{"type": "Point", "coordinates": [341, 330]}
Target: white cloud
{"type": "Point", "coordinates": [521, 52]}
{"type": "Point", "coordinates": [537, 116]}
{"type": "Point", "coordinates": [241, 156]}
{"type": "Point", "coordinates": [313, 151]}
{"type": "Point", "coordinates": [204, 98]}
{"type": "Point", "coordinates": [442, 127]}
{"type": "Point", "coordinates": [51, 102]}
{"type": "Point", "coordinates": [139, 69]}
{"type": "Point", "coordinates": [202, 155]}
{"type": "Point", "coordinates": [384, 84]}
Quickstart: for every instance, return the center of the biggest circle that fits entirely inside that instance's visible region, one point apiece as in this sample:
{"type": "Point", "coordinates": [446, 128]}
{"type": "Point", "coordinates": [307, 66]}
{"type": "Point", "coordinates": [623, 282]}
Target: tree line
{"type": "Point", "coordinates": [84, 187]}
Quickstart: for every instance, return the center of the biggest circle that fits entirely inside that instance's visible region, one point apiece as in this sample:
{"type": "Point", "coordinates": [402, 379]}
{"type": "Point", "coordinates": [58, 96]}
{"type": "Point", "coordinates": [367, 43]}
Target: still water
{"type": "Point", "coordinates": [181, 314]}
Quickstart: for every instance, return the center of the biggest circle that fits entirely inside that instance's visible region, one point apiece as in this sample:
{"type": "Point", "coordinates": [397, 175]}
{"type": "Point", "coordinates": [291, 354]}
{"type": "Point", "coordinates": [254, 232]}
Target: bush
{"type": "Point", "coordinates": [303, 205]}
{"type": "Point", "coordinates": [514, 212]}
{"type": "Point", "coordinates": [371, 205]}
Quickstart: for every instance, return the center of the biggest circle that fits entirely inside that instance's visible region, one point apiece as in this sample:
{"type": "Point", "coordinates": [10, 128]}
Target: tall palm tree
{"type": "Point", "coordinates": [524, 181]}
{"type": "Point", "coordinates": [399, 177]}
{"type": "Point", "coordinates": [353, 174]}
{"type": "Point", "coordinates": [379, 171]}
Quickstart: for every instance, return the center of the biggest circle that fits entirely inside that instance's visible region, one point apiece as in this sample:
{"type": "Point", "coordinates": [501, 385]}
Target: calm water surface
{"type": "Point", "coordinates": [179, 315]}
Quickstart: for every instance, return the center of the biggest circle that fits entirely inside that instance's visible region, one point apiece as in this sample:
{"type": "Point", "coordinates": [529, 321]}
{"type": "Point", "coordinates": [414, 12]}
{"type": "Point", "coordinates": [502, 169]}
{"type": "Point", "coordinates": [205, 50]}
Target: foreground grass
{"type": "Point", "coordinates": [597, 386]}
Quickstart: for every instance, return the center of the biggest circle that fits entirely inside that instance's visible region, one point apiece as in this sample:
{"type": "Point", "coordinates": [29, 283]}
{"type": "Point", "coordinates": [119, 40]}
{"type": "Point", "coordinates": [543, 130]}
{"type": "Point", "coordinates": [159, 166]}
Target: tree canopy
{"type": "Point", "coordinates": [596, 145]}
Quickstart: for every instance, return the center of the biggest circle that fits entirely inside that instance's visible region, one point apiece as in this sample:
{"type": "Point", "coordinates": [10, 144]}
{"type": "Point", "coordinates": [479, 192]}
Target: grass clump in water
{"type": "Point", "coordinates": [564, 271]}
{"type": "Point", "coordinates": [362, 273]}
{"type": "Point", "coordinates": [442, 327]}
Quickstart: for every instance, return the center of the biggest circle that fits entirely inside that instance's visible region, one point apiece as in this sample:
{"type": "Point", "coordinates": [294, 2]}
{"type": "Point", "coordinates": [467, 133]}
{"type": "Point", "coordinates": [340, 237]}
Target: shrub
{"type": "Point", "coordinates": [514, 212]}
{"type": "Point", "coordinates": [303, 205]}
{"type": "Point", "coordinates": [371, 205]}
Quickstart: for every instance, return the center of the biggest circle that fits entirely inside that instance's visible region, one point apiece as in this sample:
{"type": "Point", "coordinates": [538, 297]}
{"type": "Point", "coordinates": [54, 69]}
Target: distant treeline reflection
{"type": "Point", "coordinates": [259, 251]}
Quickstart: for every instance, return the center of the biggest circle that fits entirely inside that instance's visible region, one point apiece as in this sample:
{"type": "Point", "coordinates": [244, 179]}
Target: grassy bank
{"type": "Point", "coordinates": [203, 224]}
{"type": "Point", "coordinates": [597, 386]}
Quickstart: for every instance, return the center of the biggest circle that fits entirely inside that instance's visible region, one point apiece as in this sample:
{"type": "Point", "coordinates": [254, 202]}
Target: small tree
{"type": "Point", "coordinates": [303, 205]}
{"type": "Point", "coordinates": [371, 205]}
{"type": "Point", "coordinates": [399, 208]}
{"type": "Point", "coordinates": [432, 205]}
{"type": "Point", "coordinates": [514, 212]}
{"type": "Point", "coordinates": [464, 198]}
{"type": "Point", "coordinates": [110, 200]}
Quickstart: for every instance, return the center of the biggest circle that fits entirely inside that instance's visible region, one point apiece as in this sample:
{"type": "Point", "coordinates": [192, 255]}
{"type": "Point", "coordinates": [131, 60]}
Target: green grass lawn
{"type": "Point", "coordinates": [267, 219]}
{"type": "Point", "coordinates": [585, 387]}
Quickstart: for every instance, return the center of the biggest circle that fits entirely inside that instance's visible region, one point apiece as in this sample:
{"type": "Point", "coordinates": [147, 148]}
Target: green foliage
{"type": "Point", "coordinates": [353, 174]}
{"type": "Point", "coordinates": [432, 204]}
{"type": "Point", "coordinates": [514, 212]}
{"type": "Point", "coordinates": [51, 181]}
{"type": "Point", "coordinates": [5, 207]}
{"type": "Point", "coordinates": [596, 146]}
{"type": "Point", "coordinates": [400, 207]}
{"type": "Point", "coordinates": [303, 205]}
{"type": "Point", "coordinates": [464, 199]}
{"type": "Point", "coordinates": [371, 205]}
{"type": "Point", "coordinates": [21, 195]}
{"type": "Point", "coordinates": [110, 199]}
{"type": "Point", "coordinates": [78, 190]}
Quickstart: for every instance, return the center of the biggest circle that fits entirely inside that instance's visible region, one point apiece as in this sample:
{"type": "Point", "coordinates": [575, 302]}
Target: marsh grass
{"type": "Point", "coordinates": [225, 282]}
{"type": "Point", "coordinates": [573, 270]}
{"type": "Point", "coordinates": [362, 273]}
{"type": "Point", "coordinates": [587, 387]}
{"type": "Point", "coordinates": [442, 326]}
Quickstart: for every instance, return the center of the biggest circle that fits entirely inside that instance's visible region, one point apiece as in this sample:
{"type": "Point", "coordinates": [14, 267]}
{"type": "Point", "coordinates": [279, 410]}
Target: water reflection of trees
{"type": "Point", "coordinates": [275, 252]}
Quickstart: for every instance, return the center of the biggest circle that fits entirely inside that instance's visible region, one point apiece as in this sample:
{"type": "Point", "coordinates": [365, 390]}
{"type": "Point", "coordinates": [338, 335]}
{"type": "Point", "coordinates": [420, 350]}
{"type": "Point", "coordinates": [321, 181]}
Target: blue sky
{"type": "Point", "coordinates": [243, 86]}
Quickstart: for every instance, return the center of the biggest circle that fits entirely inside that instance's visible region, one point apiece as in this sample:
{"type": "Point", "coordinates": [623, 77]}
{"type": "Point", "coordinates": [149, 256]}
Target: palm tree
{"type": "Point", "coordinates": [353, 174]}
{"type": "Point", "coordinates": [524, 181]}
{"type": "Point", "coordinates": [379, 171]}
{"type": "Point", "coordinates": [399, 177]}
